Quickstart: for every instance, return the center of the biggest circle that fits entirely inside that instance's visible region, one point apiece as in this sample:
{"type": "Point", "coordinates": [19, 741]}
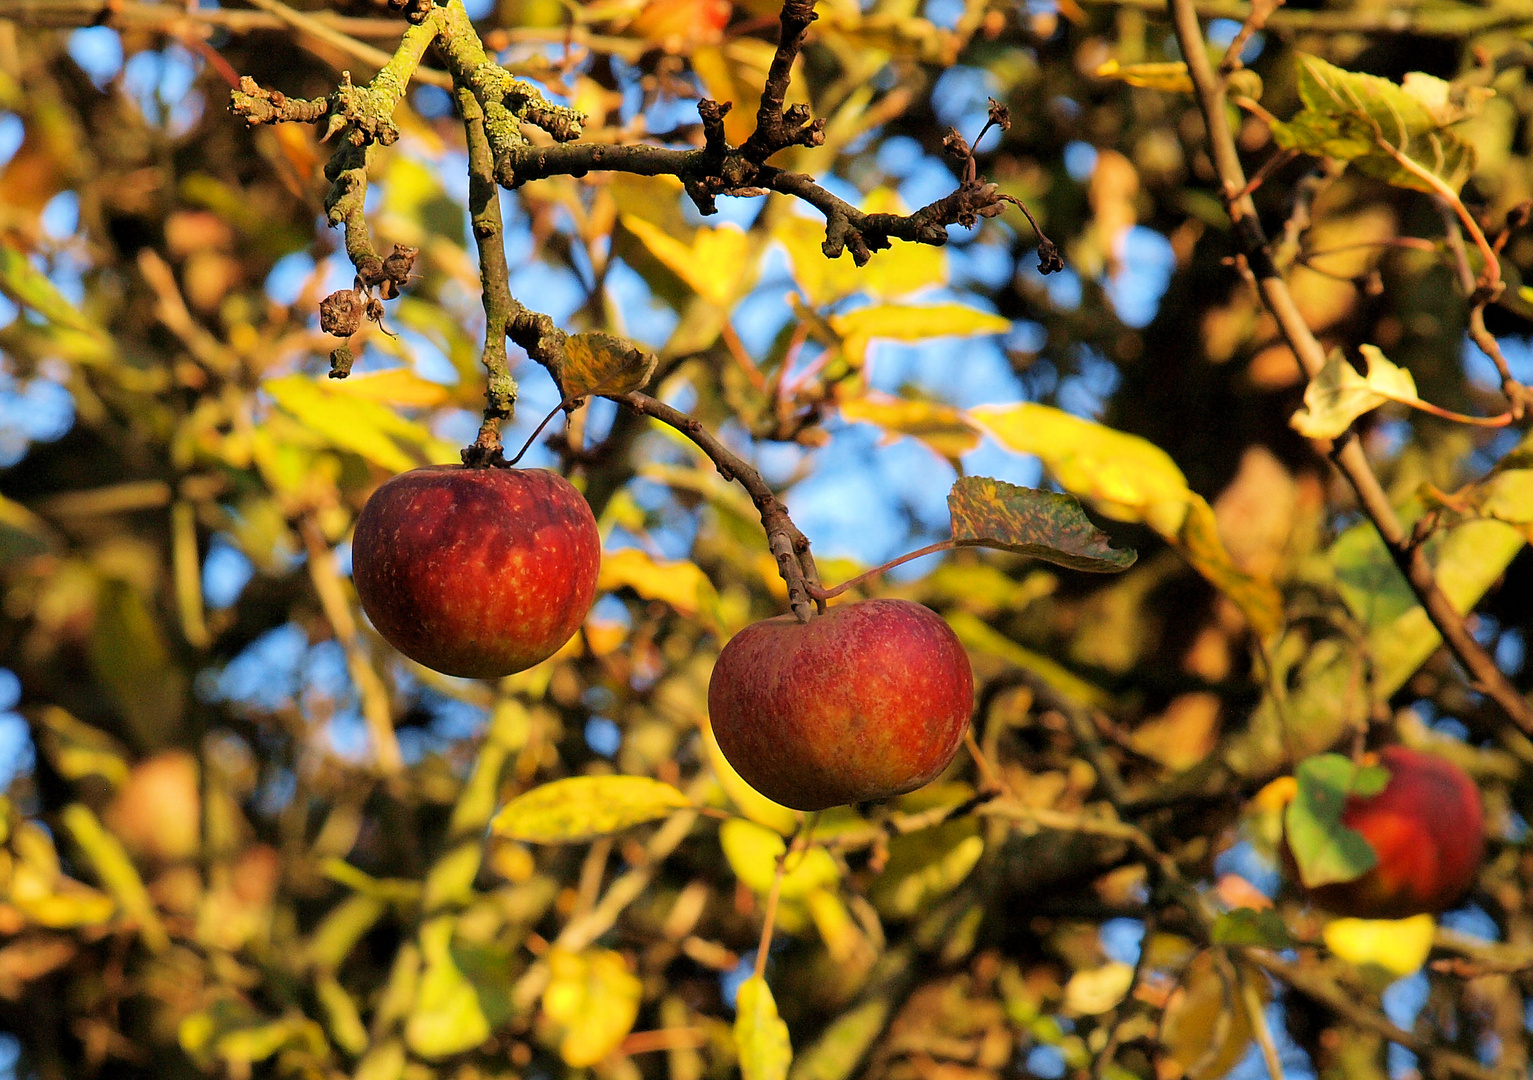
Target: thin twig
{"type": "Point", "coordinates": [1347, 452]}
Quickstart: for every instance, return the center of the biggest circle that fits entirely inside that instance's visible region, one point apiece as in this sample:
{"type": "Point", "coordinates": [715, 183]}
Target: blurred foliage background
{"type": "Point", "coordinates": [243, 837]}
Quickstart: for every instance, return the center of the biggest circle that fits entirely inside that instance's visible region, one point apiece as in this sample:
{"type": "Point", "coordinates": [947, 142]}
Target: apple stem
{"type": "Point", "coordinates": [557, 409]}
{"type": "Point", "coordinates": [822, 595]}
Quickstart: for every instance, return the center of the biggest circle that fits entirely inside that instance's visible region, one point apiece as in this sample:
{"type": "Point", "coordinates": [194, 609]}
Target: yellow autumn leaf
{"type": "Point", "coordinates": [753, 852]}
{"type": "Point", "coordinates": [761, 1038]}
{"type": "Point", "coordinates": [900, 322]}
{"type": "Point", "coordinates": [594, 999]}
{"type": "Point", "coordinates": [447, 1017]}
{"type": "Point", "coordinates": [712, 264]}
{"type": "Point", "coordinates": [1171, 77]}
{"type": "Point", "coordinates": [680, 583]}
{"type": "Point", "coordinates": [1338, 395]}
{"type": "Point", "coordinates": [903, 269]}
{"type": "Point", "coordinates": [396, 386]}
{"type": "Point", "coordinates": [1399, 946]}
{"type": "Point", "coordinates": [585, 807]}
{"type": "Point", "coordinates": [938, 425]}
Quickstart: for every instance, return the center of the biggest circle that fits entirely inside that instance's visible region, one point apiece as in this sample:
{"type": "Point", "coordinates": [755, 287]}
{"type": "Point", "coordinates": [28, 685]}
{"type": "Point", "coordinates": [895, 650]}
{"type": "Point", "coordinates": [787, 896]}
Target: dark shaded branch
{"type": "Point", "coordinates": [1440, 1060]}
{"type": "Point", "coordinates": [777, 129]}
{"type": "Point", "coordinates": [1347, 451]}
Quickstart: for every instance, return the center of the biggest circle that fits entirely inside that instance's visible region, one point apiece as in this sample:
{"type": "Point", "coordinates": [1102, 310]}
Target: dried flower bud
{"type": "Point", "coordinates": [955, 145]}
{"type": "Point", "coordinates": [1000, 115]}
{"type": "Point", "coordinates": [340, 313]}
{"type": "Point", "coordinates": [341, 361]}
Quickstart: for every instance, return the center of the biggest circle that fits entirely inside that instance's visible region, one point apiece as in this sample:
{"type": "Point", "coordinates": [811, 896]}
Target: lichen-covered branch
{"type": "Point", "coordinates": [495, 276]}
{"type": "Point", "coordinates": [1347, 452]}
{"type": "Point", "coordinates": [777, 128]}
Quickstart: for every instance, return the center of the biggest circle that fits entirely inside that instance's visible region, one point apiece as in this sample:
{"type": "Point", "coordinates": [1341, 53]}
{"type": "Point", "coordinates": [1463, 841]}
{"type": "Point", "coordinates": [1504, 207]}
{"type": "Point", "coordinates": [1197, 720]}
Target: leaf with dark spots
{"type": "Point", "coordinates": [597, 363]}
{"type": "Point", "coordinates": [1044, 524]}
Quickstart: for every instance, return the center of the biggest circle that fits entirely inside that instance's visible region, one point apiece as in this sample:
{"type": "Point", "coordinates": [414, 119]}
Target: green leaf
{"type": "Point", "coordinates": [117, 873]}
{"type": "Point", "coordinates": [753, 851]}
{"type": "Point", "coordinates": [597, 363]}
{"type": "Point", "coordinates": [900, 322]}
{"type": "Point", "coordinates": [1386, 130]}
{"type": "Point", "coordinates": [594, 998]}
{"type": "Point", "coordinates": [1338, 395]}
{"type": "Point", "coordinates": [1325, 849]}
{"type": "Point", "coordinates": [1247, 926]}
{"type": "Point", "coordinates": [761, 1037]}
{"type": "Point", "coordinates": [348, 422]}
{"type": "Point", "coordinates": [585, 807]}
{"type": "Point", "coordinates": [447, 1018]}
{"type": "Point", "coordinates": [30, 287]}
{"type": "Point", "coordinates": [1044, 524]}
{"type": "Point", "coordinates": [1170, 77]}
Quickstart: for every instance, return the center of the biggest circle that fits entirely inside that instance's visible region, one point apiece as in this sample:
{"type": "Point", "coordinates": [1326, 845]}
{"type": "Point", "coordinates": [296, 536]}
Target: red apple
{"type": "Point", "coordinates": [476, 572]}
{"type": "Point", "coordinates": [1428, 830]}
{"type": "Point", "coordinates": [868, 701]}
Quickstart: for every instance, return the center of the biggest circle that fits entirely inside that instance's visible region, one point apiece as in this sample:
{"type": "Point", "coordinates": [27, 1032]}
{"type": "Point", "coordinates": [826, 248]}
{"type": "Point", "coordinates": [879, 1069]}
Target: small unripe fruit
{"type": "Point", "coordinates": [867, 701]}
{"type": "Point", "coordinates": [1428, 829]}
{"type": "Point", "coordinates": [477, 573]}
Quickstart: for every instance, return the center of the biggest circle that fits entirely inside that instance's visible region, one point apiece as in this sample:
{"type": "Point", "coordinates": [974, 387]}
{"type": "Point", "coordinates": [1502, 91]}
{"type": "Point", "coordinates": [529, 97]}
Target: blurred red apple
{"type": "Point", "coordinates": [477, 573]}
{"type": "Point", "coordinates": [1428, 830]}
{"type": "Point", "coordinates": [868, 701]}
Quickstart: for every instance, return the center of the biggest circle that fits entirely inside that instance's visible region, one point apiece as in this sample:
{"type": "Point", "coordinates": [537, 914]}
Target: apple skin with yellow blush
{"type": "Point", "coordinates": [1427, 827]}
{"type": "Point", "coordinates": [867, 701]}
{"type": "Point", "coordinates": [476, 572]}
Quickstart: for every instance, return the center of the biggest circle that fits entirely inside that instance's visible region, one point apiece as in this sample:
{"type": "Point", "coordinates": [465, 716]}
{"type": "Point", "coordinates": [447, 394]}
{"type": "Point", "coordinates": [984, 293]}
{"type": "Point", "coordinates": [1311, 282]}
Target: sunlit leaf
{"type": "Point", "coordinates": [979, 636]}
{"type": "Point", "coordinates": [117, 873]}
{"type": "Point", "coordinates": [585, 807]}
{"type": "Point", "coordinates": [77, 750]}
{"type": "Point", "coordinates": [1339, 395]}
{"type": "Point", "coordinates": [899, 322]}
{"type": "Point", "coordinates": [1131, 479]}
{"type": "Point", "coordinates": [364, 427]}
{"type": "Point", "coordinates": [598, 363]}
{"type": "Point", "coordinates": [30, 287]}
{"type": "Point", "coordinates": [712, 264]}
{"type": "Point", "coordinates": [1092, 991]}
{"type": "Point", "coordinates": [1044, 524]}
{"type": "Point", "coordinates": [396, 386]}
{"type": "Point", "coordinates": [1171, 77]}
{"type": "Point", "coordinates": [938, 425]}
{"type": "Point", "coordinates": [446, 1018]}
{"type": "Point", "coordinates": [594, 998]}
{"type": "Point", "coordinates": [1324, 848]}
{"type": "Point", "coordinates": [678, 582]}
{"type": "Point", "coordinates": [760, 1036]}
{"type": "Point", "coordinates": [1385, 130]}
{"type": "Point", "coordinates": [1399, 946]}
{"type": "Point", "coordinates": [753, 852]}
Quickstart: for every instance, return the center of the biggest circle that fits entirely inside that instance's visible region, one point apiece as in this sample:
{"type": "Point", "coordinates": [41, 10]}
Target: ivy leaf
{"type": "Point", "coordinates": [1393, 133]}
{"type": "Point", "coordinates": [1044, 524]}
{"type": "Point", "coordinates": [585, 807]}
{"type": "Point", "coordinates": [1247, 926]}
{"type": "Point", "coordinates": [1325, 849]}
{"type": "Point", "coordinates": [1338, 395]}
{"type": "Point", "coordinates": [760, 1035]}
{"type": "Point", "coordinates": [1170, 77]}
{"type": "Point", "coordinates": [597, 363]}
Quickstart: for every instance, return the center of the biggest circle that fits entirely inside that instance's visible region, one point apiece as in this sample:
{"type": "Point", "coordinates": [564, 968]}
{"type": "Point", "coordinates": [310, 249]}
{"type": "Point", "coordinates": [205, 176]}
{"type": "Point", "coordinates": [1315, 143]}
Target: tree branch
{"type": "Point", "coordinates": [1347, 452]}
{"type": "Point", "coordinates": [789, 546]}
